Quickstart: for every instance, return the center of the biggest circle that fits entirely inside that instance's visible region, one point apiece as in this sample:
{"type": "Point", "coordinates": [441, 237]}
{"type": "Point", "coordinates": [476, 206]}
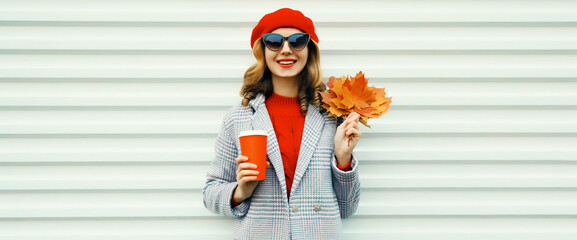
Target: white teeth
{"type": "Point", "coordinates": [286, 62]}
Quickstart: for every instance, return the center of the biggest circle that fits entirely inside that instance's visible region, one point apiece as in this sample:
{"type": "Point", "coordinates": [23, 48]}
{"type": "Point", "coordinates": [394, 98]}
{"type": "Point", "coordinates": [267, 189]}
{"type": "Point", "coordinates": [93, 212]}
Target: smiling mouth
{"type": "Point", "coordinates": [286, 63]}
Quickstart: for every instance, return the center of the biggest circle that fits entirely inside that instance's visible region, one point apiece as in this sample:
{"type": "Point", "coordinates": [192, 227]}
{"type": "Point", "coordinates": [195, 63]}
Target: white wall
{"type": "Point", "coordinates": [109, 111]}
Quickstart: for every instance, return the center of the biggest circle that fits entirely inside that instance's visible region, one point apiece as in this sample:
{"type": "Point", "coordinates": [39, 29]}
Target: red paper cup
{"type": "Point", "coordinates": [253, 146]}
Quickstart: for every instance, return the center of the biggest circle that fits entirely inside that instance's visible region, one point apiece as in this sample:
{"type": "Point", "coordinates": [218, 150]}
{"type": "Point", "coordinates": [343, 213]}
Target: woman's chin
{"type": "Point", "coordinates": [286, 73]}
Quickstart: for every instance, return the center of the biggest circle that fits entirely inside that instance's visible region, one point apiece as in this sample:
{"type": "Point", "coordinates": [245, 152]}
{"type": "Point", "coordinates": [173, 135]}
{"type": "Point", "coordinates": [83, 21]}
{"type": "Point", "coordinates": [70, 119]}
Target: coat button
{"type": "Point", "coordinates": [295, 208]}
{"type": "Point", "coordinates": [318, 208]}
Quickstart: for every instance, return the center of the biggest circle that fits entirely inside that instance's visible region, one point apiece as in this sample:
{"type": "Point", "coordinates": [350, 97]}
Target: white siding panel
{"type": "Point", "coordinates": [109, 112]}
{"type": "Point", "coordinates": [204, 66]}
{"type": "Point", "coordinates": [193, 38]}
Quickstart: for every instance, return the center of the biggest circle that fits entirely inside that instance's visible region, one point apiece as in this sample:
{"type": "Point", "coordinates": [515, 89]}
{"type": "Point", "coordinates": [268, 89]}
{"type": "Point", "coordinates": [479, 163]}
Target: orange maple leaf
{"type": "Point", "coordinates": [346, 95]}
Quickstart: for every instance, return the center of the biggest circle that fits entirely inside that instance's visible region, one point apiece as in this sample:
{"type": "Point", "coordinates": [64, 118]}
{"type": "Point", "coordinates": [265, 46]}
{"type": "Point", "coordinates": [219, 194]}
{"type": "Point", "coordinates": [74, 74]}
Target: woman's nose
{"type": "Point", "coordinates": [285, 47]}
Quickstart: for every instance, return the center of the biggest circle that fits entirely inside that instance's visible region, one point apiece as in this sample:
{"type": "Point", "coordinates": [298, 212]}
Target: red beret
{"type": "Point", "coordinates": [284, 17]}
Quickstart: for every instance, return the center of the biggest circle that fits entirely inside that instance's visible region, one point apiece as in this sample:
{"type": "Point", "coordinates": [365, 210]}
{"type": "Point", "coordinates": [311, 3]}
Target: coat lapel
{"type": "Point", "coordinates": [261, 121]}
{"type": "Point", "coordinates": [314, 122]}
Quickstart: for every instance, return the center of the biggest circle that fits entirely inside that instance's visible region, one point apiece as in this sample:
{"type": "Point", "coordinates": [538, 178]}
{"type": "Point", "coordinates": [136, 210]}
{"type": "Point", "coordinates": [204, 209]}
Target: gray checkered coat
{"type": "Point", "coordinates": [321, 193]}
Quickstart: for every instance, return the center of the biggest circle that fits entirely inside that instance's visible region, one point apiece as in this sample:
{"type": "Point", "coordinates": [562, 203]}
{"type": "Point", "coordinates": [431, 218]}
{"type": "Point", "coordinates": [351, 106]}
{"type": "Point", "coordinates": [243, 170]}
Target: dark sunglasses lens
{"type": "Point", "coordinates": [298, 41]}
{"type": "Point", "coordinates": [273, 41]}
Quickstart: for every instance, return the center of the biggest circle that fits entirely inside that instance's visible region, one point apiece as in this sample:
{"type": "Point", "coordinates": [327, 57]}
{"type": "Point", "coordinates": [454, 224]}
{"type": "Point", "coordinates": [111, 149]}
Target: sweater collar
{"type": "Point", "coordinates": [259, 101]}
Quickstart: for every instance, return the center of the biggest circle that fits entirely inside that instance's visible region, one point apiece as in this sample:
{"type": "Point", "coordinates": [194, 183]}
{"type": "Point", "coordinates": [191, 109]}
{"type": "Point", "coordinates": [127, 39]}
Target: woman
{"type": "Point", "coordinates": [312, 179]}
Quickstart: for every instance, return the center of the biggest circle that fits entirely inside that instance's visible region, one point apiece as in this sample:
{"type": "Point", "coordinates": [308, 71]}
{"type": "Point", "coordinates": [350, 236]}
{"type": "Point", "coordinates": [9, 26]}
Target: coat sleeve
{"type": "Point", "coordinates": [347, 187]}
{"type": "Point", "coordinates": [221, 178]}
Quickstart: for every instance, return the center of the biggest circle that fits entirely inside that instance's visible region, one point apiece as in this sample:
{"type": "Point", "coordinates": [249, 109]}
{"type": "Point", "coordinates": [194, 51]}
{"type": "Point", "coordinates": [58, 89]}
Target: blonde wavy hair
{"type": "Point", "coordinates": [258, 78]}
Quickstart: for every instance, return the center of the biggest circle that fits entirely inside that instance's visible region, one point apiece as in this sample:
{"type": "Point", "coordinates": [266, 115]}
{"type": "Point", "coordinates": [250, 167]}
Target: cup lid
{"type": "Point", "coordinates": [252, 132]}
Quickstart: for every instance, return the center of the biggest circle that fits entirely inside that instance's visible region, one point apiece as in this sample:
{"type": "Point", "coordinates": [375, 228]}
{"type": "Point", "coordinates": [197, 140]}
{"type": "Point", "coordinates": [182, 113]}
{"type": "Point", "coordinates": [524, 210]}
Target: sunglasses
{"type": "Point", "coordinates": [275, 41]}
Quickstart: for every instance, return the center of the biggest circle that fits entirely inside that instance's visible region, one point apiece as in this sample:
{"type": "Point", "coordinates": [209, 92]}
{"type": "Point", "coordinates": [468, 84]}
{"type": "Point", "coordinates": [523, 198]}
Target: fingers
{"type": "Point", "coordinates": [241, 159]}
{"type": "Point", "coordinates": [354, 132]}
{"type": "Point", "coordinates": [246, 175]}
{"type": "Point", "coordinates": [246, 166]}
{"type": "Point", "coordinates": [245, 171]}
{"type": "Point", "coordinates": [243, 164]}
{"type": "Point", "coordinates": [353, 117]}
{"type": "Point", "coordinates": [246, 179]}
{"type": "Point", "coordinates": [352, 127]}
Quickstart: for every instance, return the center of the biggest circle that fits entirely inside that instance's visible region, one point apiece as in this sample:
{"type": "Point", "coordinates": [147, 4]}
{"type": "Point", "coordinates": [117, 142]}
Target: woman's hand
{"type": "Point", "coordinates": [246, 178]}
{"type": "Point", "coordinates": [344, 147]}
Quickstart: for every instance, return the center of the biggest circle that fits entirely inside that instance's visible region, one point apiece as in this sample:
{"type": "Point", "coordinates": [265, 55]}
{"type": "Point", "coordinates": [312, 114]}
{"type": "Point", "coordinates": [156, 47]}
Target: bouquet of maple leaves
{"type": "Point", "coordinates": [346, 95]}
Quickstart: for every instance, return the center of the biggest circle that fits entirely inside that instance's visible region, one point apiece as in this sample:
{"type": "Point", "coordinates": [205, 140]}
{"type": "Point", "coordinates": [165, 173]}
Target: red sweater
{"type": "Point", "coordinates": [288, 122]}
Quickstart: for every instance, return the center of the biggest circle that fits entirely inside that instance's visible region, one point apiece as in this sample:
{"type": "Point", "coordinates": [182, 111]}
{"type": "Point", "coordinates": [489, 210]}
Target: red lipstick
{"type": "Point", "coordinates": [286, 62]}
